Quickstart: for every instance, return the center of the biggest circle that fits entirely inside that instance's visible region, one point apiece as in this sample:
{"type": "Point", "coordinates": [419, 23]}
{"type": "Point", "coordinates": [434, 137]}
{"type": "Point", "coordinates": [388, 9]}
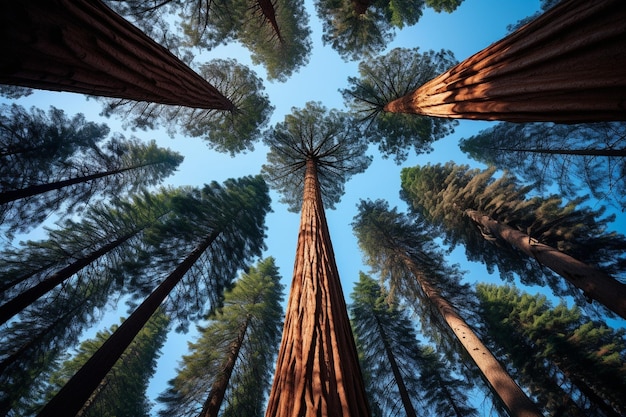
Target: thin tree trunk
{"type": "Point", "coordinates": [514, 399]}
{"type": "Point", "coordinates": [269, 12]}
{"type": "Point", "coordinates": [594, 283]}
{"type": "Point", "coordinates": [565, 66]}
{"type": "Point", "coordinates": [213, 403]}
{"type": "Point", "coordinates": [8, 196]}
{"type": "Point", "coordinates": [395, 369]}
{"type": "Point", "coordinates": [23, 300]}
{"type": "Point", "coordinates": [71, 398]}
{"type": "Point", "coordinates": [84, 47]}
{"type": "Point", "coordinates": [317, 371]}
{"type": "Point", "coordinates": [585, 152]}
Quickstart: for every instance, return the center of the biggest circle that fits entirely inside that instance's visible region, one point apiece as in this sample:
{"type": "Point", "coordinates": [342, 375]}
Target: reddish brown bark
{"type": "Point", "coordinates": [513, 398]}
{"type": "Point", "coordinates": [84, 47]}
{"type": "Point", "coordinates": [595, 284]}
{"type": "Point", "coordinates": [565, 66]}
{"type": "Point", "coordinates": [317, 371]}
{"type": "Point", "coordinates": [269, 12]}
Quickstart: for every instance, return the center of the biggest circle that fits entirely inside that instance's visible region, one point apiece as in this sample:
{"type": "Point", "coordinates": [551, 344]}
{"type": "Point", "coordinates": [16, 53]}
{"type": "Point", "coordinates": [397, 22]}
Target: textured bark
{"type": "Point", "coordinates": [216, 395]}
{"type": "Point", "coordinates": [565, 66]}
{"type": "Point", "coordinates": [77, 391]}
{"type": "Point", "coordinates": [513, 398]}
{"type": "Point", "coordinates": [84, 47]}
{"type": "Point", "coordinates": [317, 371]}
{"type": "Point", "coordinates": [595, 284]}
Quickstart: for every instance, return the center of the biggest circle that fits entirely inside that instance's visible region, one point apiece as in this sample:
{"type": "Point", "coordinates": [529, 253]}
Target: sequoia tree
{"type": "Point", "coordinates": [214, 233]}
{"type": "Point", "coordinates": [234, 354]}
{"type": "Point", "coordinates": [225, 131]}
{"type": "Point", "coordinates": [578, 159]}
{"type": "Point", "coordinates": [392, 356]}
{"type": "Point", "coordinates": [312, 153]}
{"type": "Point", "coordinates": [574, 365]}
{"type": "Point", "coordinates": [385, 78]}
{"type": "Point", "coordinates": [404, 251]}
{"type": "Point", "coordinates": [499, 224]}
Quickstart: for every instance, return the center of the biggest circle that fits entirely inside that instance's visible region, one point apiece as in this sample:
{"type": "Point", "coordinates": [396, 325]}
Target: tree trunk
{"type": "Point", "coordinates": [594, 283]}
{"type": "Point", "coordinates": [565, 66]}
{"type": "Point", "coordinates": [213, 403]}
{"type": "Point", "coordinates": [585, 152]}
{"type": "Point", "coordinates": [317, 371]}
{"type": "Point", "coordinates": [8, 196]}
{"type": "Point", "coordinates": [84, 47]}
{"type": "Point", "coordinates": [516, 402]}
{"type": "Point", "coordinates": [71, 398]}
{"type": "Point", "coordinates": [397, 376]}
{"type": "Point", "coordinates": [269, 13]}
{"type": "Point", "coordinates": [23, 300]}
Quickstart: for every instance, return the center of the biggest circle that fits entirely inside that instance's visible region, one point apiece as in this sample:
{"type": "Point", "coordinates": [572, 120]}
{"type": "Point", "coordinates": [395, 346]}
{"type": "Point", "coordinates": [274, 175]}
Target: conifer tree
{"type": "Point", "coordinates": [392, 356]}
{"type": "Point", "coordinates": [122, 392]}
{"type": "Point", "coordinates": [228, 369]}
{"type": "Point", "coordinates": [214, 233]}
{"type": "Point", "coordinates": [501, 225]}
{"type": "Point", "coordinates": [404, 251]}
{"type": "Point", "coordinates": [312, 153]}
{"type": "Point", "coordinates": [573, 365]}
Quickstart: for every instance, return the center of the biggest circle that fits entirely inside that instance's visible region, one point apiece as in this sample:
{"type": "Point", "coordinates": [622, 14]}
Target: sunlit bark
{"type": "Point", "coordinates": [317, 372]}
{"type": "Point", "coordinates": [565, 66]}
{"type": "Point", "coordinates": [83, 46]}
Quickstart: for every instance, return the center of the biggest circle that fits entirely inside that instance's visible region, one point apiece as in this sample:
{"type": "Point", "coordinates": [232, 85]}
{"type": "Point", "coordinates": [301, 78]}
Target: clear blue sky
{"type": "Point", "coordinates": [473, 26]}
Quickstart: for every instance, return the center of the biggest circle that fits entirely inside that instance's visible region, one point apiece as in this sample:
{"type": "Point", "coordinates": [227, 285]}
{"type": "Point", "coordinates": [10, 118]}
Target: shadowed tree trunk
{"type": "Point", "coordinates": [84, 47]}
{"type": "Point", "coordinates": [565, 66]}
{"type": "Point", "coordinates": [317, 371]}
{"type": "Point", "coordinates": [595, 284]}
{"type": "Point", "coordinates": [585, 152]}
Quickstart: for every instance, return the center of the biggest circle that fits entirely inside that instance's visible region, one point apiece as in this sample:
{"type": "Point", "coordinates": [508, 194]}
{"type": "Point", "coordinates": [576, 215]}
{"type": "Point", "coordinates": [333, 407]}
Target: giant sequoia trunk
{"type": "Point", "coordinates": [565, 66]}
{"type": "Point", "coordinates": [84, 47]}
{"type": "Point", "coordinates": [595, 284]}
{"type": "Point", "coordinates": [317, 372]}
{"type": "Point", "coordinates": [77, 391]}
{"type": "Point", "coordinates": [513, 398]}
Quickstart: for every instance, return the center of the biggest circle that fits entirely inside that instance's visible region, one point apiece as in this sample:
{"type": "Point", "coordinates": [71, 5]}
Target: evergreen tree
{"type": "Point", "coordinates": [213, 234]}
{"type": "Point", "coordinates": [86, 258]}
{"type": "Point", "coordinates": [122, 392]}
{"type": "Point", "coordinates": [578, 159]}
{"type": "Point", "coordinates": [404, 251]}
{"type": "Point", "coordinates": [573, 365]}
{"type": "Point", "coordinates": [312, 153]}
{"type": "Point", "coordinates": [385, 78]}
{"type": "Point", "coordinates": [225, 131]}
{"type": "Point", "coordinates": [501, 225]}
{"type": "Point", "coordinates": [229, 366]}
{"type": "Point", "coordinates": [387, 339]}
{"type": "Point", "coordinates": [118, 167]}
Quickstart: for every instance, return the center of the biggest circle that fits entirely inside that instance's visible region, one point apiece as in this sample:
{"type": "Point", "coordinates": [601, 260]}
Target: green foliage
{"type": "Point", "coordinates": [123, 391]}
{"type": "Point", "coordinates": [572, 365]}
{"type": "Point", "coordinates": [329, 138]}
{"type": "Point", "coordinates": [358, 29]}
{"type": "Point", "coordinates": [538, 153]}
{"type": "Point", "coordinates": [382, 328]}
{"type": "Point", "coordinates": [223, 130]}
{"type": "Point", "coordinates": [386, 78]}
{"type": "Point", "coordinates": [443, 5]}
{"type": "Point", "coordinates": [233, 214]}
{"type": "Point", "coordinates": [441, 194]}
{"type": "Point", "coordinates": [254, 306]}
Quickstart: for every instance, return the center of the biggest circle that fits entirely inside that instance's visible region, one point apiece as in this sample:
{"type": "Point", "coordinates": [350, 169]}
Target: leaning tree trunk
{"type": "Point", "coordinates": [513, 398]}
{"type": "Point", "coordinates": [84, 47]}
{"type": "Point", "coordinates": [579, 152]}
{"type": "Point", "coordinates": [409, 410]}
{"type": "Point", "coordinates": [594, 283]}
{"type": "Point", "coordinates": [77, 391]}
{"type": "Point", "coordinates": [565, 66]}
{"type": "Point", "coordinates": [218, 389]}
{"type": "Point", "coordinates": [317, 371]}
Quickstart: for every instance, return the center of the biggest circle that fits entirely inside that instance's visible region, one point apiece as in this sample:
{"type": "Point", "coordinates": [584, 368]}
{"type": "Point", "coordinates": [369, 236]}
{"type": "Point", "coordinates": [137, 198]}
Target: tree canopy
{"type": "Point", "coordinates": [386, 78]}
{"type": "Point", "coordinates": [331, 139]}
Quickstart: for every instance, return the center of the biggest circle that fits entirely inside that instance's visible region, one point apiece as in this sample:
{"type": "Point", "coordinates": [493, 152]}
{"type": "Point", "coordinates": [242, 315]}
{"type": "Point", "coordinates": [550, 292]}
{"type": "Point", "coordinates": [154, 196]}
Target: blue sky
{"type": "Point", "coordinates": [472, 27]}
